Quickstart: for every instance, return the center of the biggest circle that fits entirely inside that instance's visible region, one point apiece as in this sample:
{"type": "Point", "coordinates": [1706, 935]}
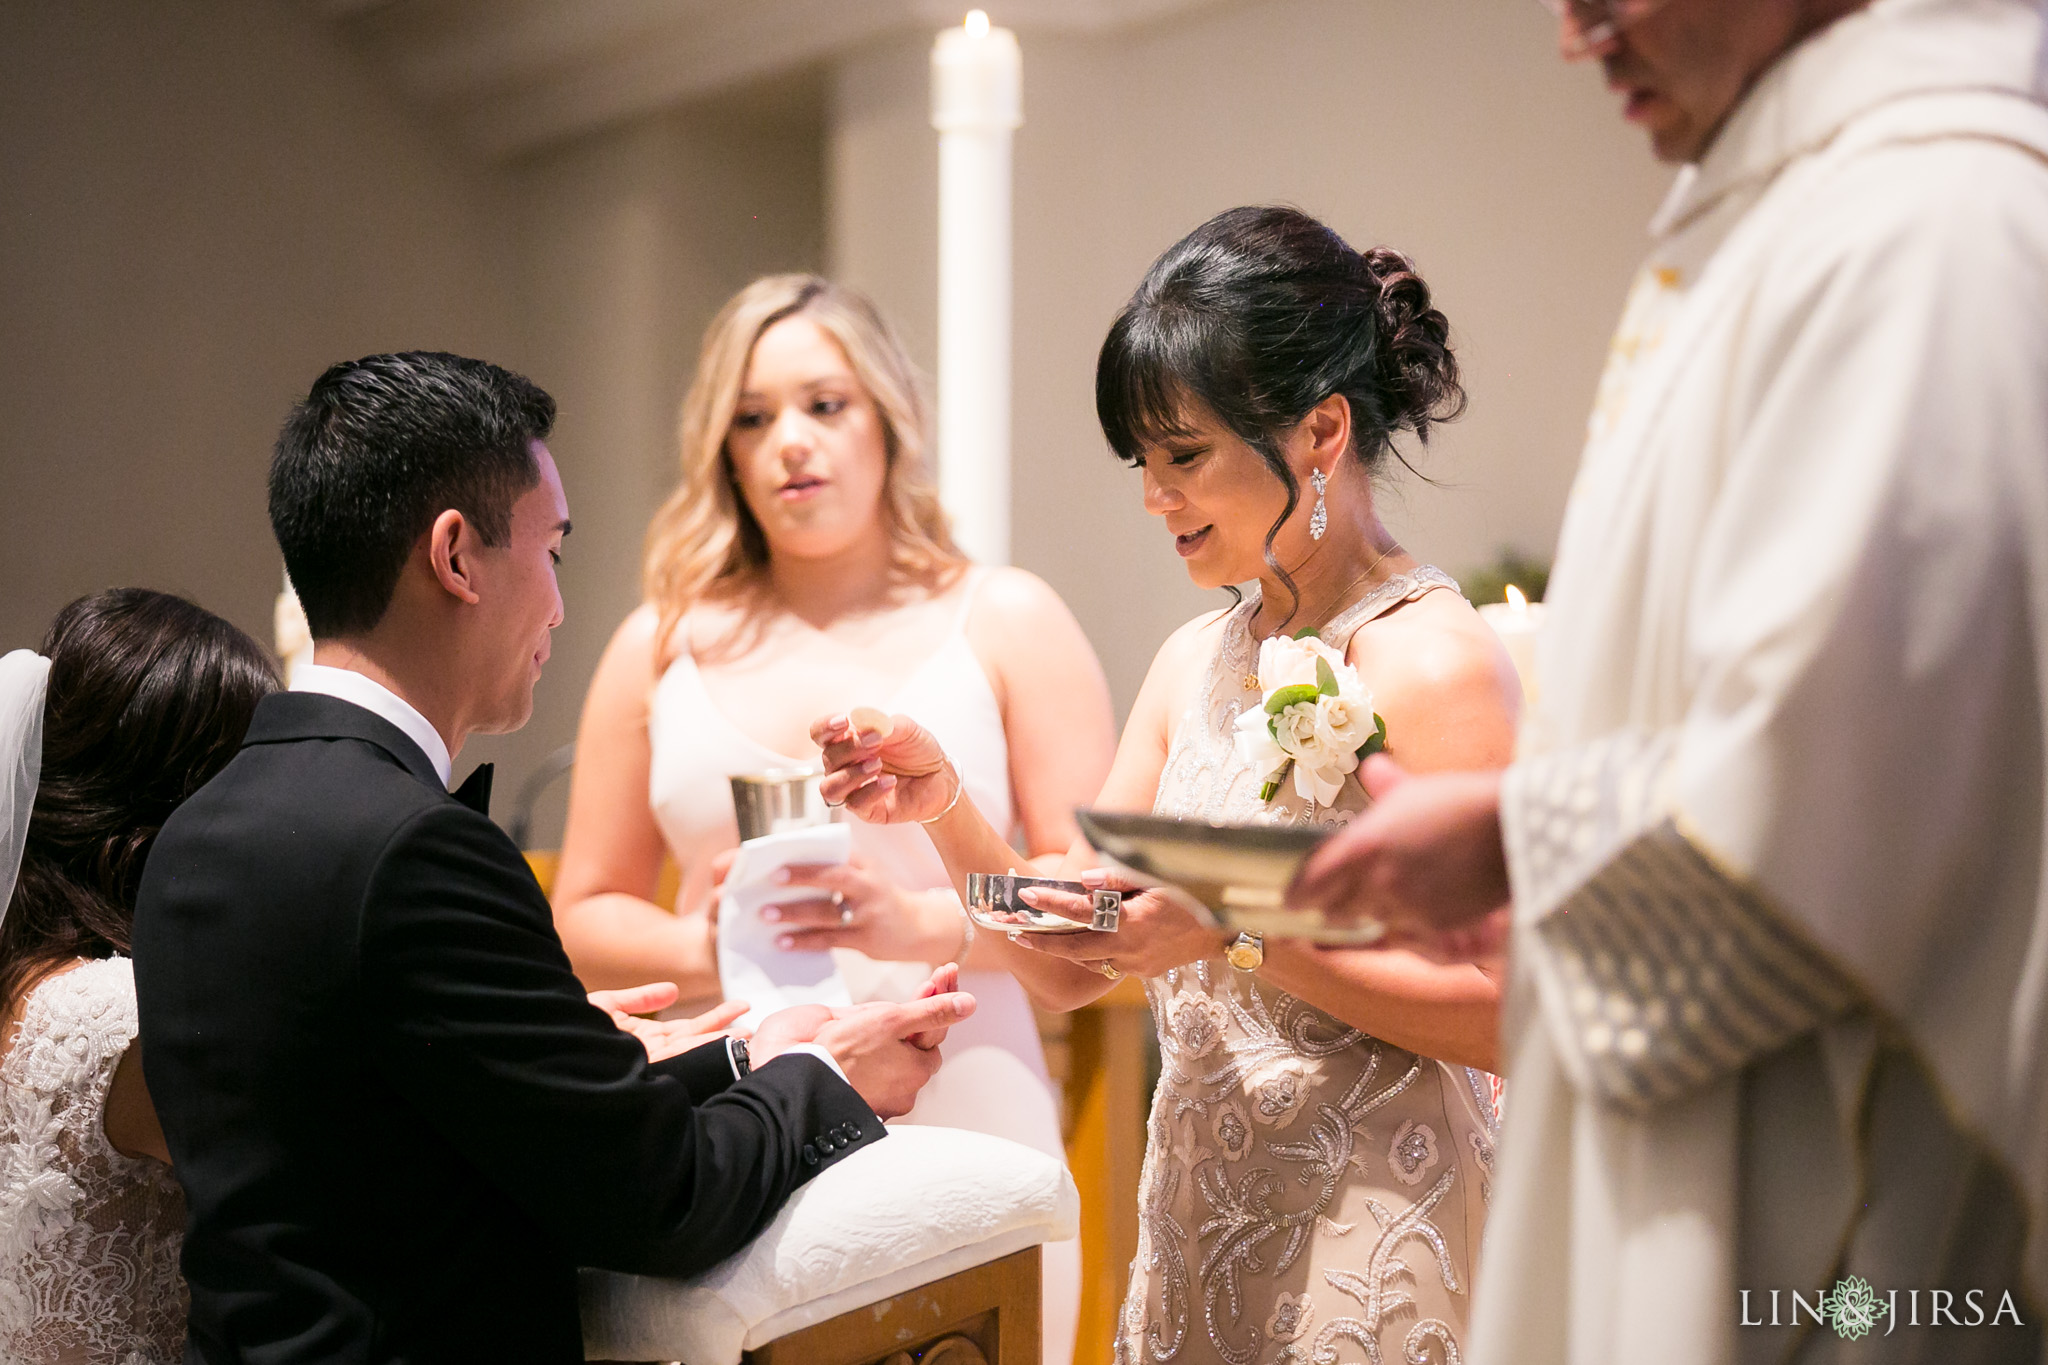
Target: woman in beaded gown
{"type": "Point", "coordinates": [1321, 1140]}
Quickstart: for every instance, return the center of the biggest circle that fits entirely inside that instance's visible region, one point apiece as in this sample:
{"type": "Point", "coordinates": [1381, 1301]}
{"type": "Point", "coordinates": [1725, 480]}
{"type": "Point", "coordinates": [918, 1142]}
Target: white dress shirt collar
{"type": "Point", "coordinates": [380, 700]}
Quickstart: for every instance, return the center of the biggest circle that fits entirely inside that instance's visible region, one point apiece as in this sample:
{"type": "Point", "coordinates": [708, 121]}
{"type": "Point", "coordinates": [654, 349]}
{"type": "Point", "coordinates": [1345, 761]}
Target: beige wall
{"type": "Point", "coordinates": [1448, 129]}
{"type": "Point", "coordinates": [206, 205]}
{"type": "Point", "coordinates": [203, 206]}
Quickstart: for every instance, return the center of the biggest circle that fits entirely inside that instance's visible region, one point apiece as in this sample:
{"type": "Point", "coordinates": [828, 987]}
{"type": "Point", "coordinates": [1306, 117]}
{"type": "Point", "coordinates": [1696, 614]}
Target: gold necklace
{"type": "Point", "coordinates": [1251, 680]}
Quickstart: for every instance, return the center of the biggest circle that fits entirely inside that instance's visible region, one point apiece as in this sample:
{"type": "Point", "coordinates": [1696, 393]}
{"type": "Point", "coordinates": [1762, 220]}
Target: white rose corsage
{"type": "Point", "coordinates": [1317, 719]}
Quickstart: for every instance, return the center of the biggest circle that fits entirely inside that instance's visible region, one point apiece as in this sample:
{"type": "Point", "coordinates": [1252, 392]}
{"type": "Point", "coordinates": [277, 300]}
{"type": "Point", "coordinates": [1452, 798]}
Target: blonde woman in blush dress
{"type": "Point", "coordinates": [803, 565]}
{"type": "Point", "coordinates": [1321, 1141]}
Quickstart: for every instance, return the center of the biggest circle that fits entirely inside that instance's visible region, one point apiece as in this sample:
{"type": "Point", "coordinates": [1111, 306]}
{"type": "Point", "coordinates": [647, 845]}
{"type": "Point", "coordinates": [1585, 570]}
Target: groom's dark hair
{"type": "Point", "coordinates": [379, 449]}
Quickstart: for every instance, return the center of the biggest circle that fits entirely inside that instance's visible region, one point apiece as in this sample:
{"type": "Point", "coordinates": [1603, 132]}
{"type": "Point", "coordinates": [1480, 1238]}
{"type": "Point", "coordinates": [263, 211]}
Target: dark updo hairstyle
{"type": "Point", "coordinates": [1257, 316]}
{"type": "Point", "coordinates": [149, 697]}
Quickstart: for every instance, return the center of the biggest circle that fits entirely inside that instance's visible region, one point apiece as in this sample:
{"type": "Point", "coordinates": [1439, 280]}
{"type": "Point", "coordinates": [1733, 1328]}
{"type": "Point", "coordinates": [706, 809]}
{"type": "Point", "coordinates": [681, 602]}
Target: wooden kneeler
{"type": "Point", "coordinates": [983, 1315]}
{"type": "Point", "coordinates": [987, 1314]}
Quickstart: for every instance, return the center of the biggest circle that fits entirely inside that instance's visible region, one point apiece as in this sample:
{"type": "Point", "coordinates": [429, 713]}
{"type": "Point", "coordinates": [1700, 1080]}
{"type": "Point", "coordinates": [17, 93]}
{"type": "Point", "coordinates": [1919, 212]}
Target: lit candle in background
{"type": "Point", "coordinates": [1516, 621]}
{"type": "Point", "coordinates": [977, 104]}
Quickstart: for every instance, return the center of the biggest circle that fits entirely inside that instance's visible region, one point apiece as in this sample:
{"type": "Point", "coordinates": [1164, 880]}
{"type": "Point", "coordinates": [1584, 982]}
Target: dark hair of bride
{"type": "Point", "coordinates": [149, 696]}
{"type": "Point", "coordinates": [1257, 316]}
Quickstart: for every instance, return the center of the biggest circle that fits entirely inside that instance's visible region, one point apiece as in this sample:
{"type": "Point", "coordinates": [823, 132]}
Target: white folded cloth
{"type": "Point", "coordinates": [750, 966]}
{"type": "Point", "coordinates": [921, 1204]}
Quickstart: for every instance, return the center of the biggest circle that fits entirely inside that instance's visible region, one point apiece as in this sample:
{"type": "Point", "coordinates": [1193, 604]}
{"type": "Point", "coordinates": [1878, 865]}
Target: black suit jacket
{"type": "Point", "coordinates": [399, 1124]}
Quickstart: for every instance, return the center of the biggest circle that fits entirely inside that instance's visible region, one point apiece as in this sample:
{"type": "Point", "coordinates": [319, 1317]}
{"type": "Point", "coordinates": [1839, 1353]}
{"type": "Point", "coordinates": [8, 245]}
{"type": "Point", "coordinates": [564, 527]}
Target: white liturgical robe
{"type": "Point", "coordinates": [1778, 834]}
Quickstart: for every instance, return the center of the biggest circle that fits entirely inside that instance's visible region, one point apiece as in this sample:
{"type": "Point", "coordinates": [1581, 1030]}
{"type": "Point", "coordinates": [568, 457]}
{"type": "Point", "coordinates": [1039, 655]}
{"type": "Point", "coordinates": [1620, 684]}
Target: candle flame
{"type": "Point", "coordinates": [1516, 601]}
{"type": "Point", "coordinates": [977, 23]}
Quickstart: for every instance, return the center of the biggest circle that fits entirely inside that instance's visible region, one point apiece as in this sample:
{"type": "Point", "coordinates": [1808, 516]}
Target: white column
{"type": "Point", "coordinates": [977, 103]}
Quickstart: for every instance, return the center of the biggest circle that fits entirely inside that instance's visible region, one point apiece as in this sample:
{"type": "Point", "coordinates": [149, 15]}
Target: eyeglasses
{"type": "Point", "coordinates": [1596, 23]}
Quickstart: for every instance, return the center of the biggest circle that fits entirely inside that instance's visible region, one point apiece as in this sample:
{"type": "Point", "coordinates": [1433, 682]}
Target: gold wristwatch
{"type": "Point", "coordinates": [1247, 952]}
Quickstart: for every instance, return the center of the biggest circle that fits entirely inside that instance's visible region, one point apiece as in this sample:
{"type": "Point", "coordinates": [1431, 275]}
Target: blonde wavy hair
{"type": "Point", "coordinates": [704, 542]}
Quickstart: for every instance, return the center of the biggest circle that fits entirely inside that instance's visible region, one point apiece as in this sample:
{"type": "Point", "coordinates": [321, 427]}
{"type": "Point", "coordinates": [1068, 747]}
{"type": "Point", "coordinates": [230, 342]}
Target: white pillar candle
{"type": "Point", "coordinates": [1516, 621]}
{"type": "Point", "coordinates": [977, 103]}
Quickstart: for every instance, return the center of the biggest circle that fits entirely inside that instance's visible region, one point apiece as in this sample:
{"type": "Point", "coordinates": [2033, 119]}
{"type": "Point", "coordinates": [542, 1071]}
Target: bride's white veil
{"type": "Point", "coordinates": [24, 678]}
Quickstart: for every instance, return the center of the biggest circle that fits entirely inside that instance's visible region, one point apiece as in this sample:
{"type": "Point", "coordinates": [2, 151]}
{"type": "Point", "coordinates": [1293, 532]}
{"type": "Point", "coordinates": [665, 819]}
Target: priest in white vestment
{"type": "Point", "coordinates": [1777, 838]}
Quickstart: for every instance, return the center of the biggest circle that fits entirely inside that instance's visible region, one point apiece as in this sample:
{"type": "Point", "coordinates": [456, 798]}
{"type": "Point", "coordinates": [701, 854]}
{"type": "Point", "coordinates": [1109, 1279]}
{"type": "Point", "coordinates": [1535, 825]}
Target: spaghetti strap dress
{"type": "Point", "coordinates": [994, 1078]}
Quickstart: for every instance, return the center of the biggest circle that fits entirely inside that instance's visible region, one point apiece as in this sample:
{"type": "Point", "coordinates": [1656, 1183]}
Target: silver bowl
{"type": "Point", "coordinates": [992, 903]}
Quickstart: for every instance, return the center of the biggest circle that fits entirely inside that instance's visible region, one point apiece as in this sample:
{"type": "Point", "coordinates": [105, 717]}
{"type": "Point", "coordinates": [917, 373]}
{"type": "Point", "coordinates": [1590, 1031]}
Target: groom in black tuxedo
{"type": "Point", "coordinates": [399, 1122]}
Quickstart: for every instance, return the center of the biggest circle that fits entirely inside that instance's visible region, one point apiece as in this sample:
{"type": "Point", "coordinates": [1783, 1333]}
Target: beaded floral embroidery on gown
{"type": "Point", "coordinates": [89, 1238]}
{"type": "Point", "coordinates": [1311, 1195]}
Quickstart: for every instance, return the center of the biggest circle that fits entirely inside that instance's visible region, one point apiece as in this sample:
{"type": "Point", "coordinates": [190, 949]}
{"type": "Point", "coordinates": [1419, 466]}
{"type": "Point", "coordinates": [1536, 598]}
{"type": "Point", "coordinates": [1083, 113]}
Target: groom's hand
{"type": "Point", "coordinates": [623, 1004]}
{"type": "Point", "coordinates": [1425, 859]}
{"type": "Point", "coordinates": [665, 1038]}
{"type": "Point", "coordinates": [889, 1051]}
{"type": "Point", "coordinates": [784, 1029]}
{"type": "Point", "coordinates": [943, 981]}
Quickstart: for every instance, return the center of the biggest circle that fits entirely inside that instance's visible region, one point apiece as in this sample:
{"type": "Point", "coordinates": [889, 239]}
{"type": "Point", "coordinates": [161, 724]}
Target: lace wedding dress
{"type": "Point", "coordinates": [1310, 1193]}
{"type": "Point", "coordinates": [89, 1238]}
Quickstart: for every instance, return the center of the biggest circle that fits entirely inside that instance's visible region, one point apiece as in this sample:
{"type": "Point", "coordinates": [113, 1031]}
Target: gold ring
{"type": "Point", "coordinates": [1108, 969]}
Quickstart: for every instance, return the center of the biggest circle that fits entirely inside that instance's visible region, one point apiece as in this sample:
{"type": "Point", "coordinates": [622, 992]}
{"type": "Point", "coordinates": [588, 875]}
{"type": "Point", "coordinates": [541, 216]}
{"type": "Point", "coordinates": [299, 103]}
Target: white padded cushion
{"type": "Point", "coordinates": [918, 1206]}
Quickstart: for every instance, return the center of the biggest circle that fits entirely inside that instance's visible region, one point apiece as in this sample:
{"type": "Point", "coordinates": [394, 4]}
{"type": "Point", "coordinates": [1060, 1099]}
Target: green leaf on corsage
{"type": "Point", "coordinates": [1285, 697]}
{"type": "Point", "coordinates": [1307, 633]}
{"type": "Point", "coordinates": [1326, 679]}
{"type": "Point", "coordinates": [1377, 740]}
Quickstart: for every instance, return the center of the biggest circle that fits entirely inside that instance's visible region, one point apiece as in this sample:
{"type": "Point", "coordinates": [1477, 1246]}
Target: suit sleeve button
{"type": "Point", "coordinates": [810, 1154]}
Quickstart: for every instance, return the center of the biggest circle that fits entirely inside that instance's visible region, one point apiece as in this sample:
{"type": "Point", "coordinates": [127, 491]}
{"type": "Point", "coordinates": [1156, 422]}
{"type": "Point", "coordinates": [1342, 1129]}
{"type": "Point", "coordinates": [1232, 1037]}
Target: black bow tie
{"type": "Point", "coordinates": [475, 791]}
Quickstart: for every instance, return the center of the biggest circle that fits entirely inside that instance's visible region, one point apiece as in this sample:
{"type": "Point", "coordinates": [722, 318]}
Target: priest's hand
{"type": "Point", "coordinates": [1425, 859]}
{"type": "Point", "coordinates": [665, 1038]}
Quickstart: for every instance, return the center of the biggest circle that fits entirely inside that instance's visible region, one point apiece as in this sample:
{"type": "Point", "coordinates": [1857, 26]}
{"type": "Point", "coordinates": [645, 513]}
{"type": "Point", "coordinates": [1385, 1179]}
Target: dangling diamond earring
{"type": "Point", "coordinates": [1319, 516]}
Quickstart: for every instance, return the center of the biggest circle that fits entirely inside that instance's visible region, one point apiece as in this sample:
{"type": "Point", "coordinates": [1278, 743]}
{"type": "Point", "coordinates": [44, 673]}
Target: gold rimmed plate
{"type": "Point", "coordinates": [1239, 873]}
